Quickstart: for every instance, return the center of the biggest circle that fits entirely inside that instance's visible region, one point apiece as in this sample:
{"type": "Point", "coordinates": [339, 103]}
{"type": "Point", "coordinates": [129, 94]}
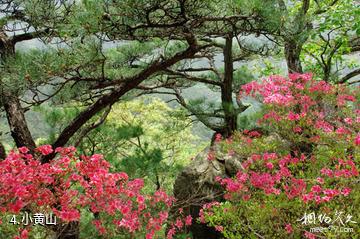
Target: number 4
{"type": "Point", "coordinates": [13, 219]}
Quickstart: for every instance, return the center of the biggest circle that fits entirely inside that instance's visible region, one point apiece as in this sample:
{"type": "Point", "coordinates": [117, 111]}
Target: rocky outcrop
{"type": "Point", "coordinates": [196, 186]}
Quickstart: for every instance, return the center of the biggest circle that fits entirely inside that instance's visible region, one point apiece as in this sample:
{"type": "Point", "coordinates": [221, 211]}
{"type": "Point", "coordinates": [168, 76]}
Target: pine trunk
{"type": "Point", "coordinates": [227, 90]}
{"type": "Point", "coordinates": [20, 132]}
{"type": "Point", "coordinates": [292, 55]}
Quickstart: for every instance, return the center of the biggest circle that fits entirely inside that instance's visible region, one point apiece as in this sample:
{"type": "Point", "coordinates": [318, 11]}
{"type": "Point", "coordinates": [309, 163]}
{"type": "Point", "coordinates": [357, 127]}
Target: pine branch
{"type": "Point", "coordinates": [349, 76]}
{"type": "Point", "coordinates": [120, 90]}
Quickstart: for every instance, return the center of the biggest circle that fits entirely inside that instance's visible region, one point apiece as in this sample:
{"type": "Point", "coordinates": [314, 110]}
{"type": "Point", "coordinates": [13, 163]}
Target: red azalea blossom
{"type": "Point", "coordinates": [357, 140]}
{"type": "Point", "coordinates": [319, 124]}
{"type": "Point", "coordinates": [45, 149]}
{"type": "Point", "coordinates": [188, 220]}
{"type": "Point", "coordinates": [288, 228]}
{"type": "Point", "coordinates": [309, 235]}
{"type": "Point", "coordinates": [219, 228]}
{"type": "Point", "coordinates": [85, 183]}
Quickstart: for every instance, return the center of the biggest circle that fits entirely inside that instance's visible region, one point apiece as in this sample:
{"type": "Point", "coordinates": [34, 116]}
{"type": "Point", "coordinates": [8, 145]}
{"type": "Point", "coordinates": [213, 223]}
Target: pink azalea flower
{"type": "Point", "coordinates": [289, 228]}
{"type": "Point", "coordinates": [357, 140]}
{"type": "Point", "coordinates": [309, 235]}
{"type": "Point", "coordinates": [45, 149]}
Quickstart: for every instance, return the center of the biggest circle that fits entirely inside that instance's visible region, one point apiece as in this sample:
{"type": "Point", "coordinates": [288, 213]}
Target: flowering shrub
{"type": "Point", "coordinates": [309, 162]}
{"type": "Point", "coordinates": [68, 184]}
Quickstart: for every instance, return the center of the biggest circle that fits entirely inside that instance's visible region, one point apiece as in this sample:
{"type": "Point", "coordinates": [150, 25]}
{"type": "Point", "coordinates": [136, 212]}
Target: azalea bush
{"type": "Point", "coordinates": [301, 171]}
{"type": "Point", "coordinates": [69, 186]}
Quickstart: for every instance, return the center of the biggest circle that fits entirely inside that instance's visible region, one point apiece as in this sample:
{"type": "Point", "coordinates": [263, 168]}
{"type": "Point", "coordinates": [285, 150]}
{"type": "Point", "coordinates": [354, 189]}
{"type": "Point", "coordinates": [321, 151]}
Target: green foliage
{"type": "Point", "coordinates": [57, 119]}
{"type": "Point", "coordinates": [330, 39]}
{"type": "Point", "coordinates": [145, 138]}
{"type": "Point", "coordinates": [269, 68]}
{"type": "Point", "coordinates": [242, 75]}
{"type": "Point", "coordinates": [248, 119]}
{"type": "Point", "coordinates": [268, 11]}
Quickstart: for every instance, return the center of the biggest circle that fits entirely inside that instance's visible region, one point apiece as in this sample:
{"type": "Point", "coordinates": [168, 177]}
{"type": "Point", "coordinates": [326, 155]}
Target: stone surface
{"type": "Point", "coordinates": [196, 185]}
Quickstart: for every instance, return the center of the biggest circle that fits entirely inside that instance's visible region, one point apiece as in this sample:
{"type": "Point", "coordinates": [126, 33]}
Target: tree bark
{"type": "Point", "coordinates": [17, 122]}
{"type": "Point", "coordinates": [11, 102]}
{"type": "Point", "coordinates": [2, 152]}
{"type": "Point", "coordinates": [227, 90]}
{"type": "Point", "coordinates": [292, 55]}
{"type": "Point", "coordinates": [293, 44]}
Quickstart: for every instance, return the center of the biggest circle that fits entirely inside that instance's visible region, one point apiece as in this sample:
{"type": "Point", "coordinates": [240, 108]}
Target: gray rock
{"type": "Point", "coordinates": [196, 186]}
